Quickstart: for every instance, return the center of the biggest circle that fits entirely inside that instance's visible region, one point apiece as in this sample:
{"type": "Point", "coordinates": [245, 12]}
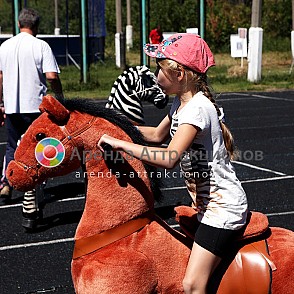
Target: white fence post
{"type": "Point", "coordinates": [129, 36]}
{"type": "Point", "coordinates": [255, 54]}
{"type": "Point", "coordinates": [292, 47]}
{"type": "Point", "coordinates": [117, 49]}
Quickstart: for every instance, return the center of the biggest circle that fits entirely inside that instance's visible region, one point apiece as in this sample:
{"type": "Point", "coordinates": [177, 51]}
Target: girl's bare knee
{"type": "Point", "coordinates": [187, 286]}
{"type": "Point", "coordinates": [192, 287]}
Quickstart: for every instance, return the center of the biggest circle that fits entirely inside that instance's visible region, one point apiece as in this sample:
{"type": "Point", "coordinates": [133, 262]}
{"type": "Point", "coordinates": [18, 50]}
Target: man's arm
{"type": "Point", "coordinates": [2, 110]}
{"type": "Point", "coordinates": [1, 87]}
{"type": "Point", "coordinates": [55, 84]}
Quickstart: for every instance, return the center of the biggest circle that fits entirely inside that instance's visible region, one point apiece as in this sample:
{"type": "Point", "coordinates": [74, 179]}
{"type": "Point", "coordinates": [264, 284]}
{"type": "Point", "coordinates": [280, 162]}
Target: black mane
{"type": "Point", "coordinates": [92, 107]}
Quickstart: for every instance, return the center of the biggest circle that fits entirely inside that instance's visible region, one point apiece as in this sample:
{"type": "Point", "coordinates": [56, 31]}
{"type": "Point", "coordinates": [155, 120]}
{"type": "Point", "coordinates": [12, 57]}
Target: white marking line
{"type": "Point", "coordinates": [65, 240]}
{"type": "Point", "coordinates": [60, 200]}
{"type": "Point", "coordinates": [174, 188]}
{"type": "Point", "coordinates": [254, 95]}
{"type": "Point", "coordinates": [280, 213]}
{"type": "Point", "coordinates": [152, 106]}
{"type": "Point", "coordinates": [243, 182]}
{"type": "Point", "coordinates": [3, 143]}
{"type": "Point", "coordinates": [267, 179]}
{"type": "Point", "coordinates": [272, 98]}
{"type": "Point", "coordinates": [242, 97]}
{"type": "Point", "coordinates": [3, 248]}
{"type": "Point", "coordinates": [175, 226]}
{"type": "Point", "coordinates": [163, 189]}
{"type": "Point", "coordinates": [259, 168]}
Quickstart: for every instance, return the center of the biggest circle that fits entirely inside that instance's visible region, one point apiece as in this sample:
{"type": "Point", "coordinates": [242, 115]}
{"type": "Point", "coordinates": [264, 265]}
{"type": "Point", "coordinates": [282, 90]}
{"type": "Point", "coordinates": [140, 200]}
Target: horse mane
{"type": "Point", "coordinates": [92, 107]}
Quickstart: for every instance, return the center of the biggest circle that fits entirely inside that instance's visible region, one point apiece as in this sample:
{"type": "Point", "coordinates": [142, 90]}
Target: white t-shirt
{"type": "Point", "coordinates": [210, 178]}
{"type": "Point", "coordinates": [24, 60]}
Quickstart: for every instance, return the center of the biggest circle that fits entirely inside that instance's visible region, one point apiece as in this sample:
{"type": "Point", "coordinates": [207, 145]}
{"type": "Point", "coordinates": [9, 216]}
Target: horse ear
{"type": "Point", "coordinates": [54, 108]}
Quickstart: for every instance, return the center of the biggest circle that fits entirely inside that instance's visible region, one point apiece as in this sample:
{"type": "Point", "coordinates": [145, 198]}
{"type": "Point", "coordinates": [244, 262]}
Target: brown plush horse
{"type": "Point", "coordinates": [121, 246]}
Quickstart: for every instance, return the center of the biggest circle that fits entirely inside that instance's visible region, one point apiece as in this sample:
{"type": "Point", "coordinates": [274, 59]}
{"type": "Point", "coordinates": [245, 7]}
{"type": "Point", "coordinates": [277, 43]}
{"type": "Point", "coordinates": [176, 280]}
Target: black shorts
{"type": "Point", "coordinates": [215, 240]}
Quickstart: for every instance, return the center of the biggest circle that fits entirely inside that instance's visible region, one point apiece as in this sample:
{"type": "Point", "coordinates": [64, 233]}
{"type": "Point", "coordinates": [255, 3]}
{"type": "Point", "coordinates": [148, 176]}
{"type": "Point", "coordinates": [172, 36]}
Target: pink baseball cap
{"type": "Point", "coordinates": [187, 49]}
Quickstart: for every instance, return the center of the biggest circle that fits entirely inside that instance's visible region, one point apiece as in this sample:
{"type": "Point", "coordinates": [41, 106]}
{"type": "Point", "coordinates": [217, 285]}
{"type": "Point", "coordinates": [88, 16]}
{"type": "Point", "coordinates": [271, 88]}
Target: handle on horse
{"type": "Point", "coordinates": [110, 155]}
{"type": "Point", "coordinates": [106, 147]}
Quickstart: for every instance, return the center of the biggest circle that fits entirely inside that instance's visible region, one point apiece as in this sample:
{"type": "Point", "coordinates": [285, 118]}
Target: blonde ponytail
{"type": "Point", "coordinates": [229, 141]}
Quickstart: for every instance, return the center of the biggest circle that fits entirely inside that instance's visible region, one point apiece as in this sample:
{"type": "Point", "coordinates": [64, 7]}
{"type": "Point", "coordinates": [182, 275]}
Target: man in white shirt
{"type": "Point", "coordinates": [26, 64]}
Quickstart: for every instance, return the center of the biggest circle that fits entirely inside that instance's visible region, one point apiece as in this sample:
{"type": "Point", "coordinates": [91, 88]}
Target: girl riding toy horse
{"type": "Point", "coordinates": [121, 246]}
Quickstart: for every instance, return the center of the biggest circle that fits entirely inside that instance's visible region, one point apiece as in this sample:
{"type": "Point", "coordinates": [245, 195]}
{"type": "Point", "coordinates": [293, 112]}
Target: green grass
{"type": "Point", "coordinates": [99, 81]}
{"type": "Point", "coordinates": [227, 76]}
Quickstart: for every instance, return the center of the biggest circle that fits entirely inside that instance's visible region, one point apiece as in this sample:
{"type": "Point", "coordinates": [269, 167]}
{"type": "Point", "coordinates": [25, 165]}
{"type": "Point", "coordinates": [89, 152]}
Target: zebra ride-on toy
{"type": "Point", "coordinates": [135, 85]}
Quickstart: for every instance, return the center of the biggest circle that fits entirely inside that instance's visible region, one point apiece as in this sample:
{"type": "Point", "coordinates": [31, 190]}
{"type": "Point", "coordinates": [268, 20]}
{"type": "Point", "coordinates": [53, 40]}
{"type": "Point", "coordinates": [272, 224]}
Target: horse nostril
{"type": "Point", "coordinates": [11, 173]}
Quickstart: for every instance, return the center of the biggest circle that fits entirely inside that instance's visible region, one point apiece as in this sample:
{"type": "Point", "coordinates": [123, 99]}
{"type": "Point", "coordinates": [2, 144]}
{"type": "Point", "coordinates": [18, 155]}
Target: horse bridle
{"type": "Point", "coordinates": [33, 171]}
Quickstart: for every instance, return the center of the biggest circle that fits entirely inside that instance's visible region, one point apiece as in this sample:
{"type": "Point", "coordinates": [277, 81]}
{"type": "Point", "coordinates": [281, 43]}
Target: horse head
{"type": "Point", "coordinates": [26, 170]}
{"type": "Point", "coordinates": [64, 137]}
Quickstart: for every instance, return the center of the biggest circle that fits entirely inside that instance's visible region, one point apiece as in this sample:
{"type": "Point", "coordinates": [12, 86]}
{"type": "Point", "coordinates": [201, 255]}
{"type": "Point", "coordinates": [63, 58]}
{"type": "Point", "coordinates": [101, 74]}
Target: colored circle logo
{"type": "Point", "coordinates": [49, 152]}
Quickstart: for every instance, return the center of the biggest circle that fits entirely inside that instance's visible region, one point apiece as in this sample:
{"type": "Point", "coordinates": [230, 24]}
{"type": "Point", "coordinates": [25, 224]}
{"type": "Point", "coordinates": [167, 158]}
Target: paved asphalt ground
{"type": "Point", "coordinates": [262, 124]}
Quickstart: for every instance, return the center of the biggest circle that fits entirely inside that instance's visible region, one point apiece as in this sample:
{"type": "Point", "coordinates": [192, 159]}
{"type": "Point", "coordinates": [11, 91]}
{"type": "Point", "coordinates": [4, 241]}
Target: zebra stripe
{"type": "Point", "coordinates": [134, 85]}
{"type": "Point", "coordinates": [29, 204]}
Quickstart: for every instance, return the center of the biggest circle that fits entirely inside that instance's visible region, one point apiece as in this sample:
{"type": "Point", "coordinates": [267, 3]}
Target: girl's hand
{"type": "Point", "coordinates": [106, 139]}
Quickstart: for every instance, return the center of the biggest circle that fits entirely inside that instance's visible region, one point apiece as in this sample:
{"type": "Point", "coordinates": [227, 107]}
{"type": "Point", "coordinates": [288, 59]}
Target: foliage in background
{"type": "Point", "coordinates": [5, 16]}
{"type": "Point", "coordinates": [221, 26]}
{"type": "Point", "coordinates": [277, 17]}
{"type": "Point", "coordinates": [46, 10]}
{"type": "Point", "coordinates": [223, 17]}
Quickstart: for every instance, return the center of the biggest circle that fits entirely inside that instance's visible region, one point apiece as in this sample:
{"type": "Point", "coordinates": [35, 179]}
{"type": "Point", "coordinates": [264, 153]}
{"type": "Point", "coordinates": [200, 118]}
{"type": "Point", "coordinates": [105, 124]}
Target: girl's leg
{"type": "Point", "coordinates": [201, 265]}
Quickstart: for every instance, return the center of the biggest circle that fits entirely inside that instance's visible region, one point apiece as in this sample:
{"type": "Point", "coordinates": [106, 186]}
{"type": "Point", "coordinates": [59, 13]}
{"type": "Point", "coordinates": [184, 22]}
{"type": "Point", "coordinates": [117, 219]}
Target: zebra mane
{"type": "Point", "coordinates": [92, 107]}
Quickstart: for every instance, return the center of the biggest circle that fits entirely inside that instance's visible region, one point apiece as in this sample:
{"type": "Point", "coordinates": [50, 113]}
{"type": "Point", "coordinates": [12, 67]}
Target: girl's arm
{"type": "Point", "coordinates": [159, 157]}
{"type": "Point", "coordinates": [156, 135]}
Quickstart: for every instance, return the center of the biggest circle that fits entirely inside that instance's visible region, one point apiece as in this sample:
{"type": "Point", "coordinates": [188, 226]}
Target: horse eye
{"type": "Point", "coordinates": [40, 136]}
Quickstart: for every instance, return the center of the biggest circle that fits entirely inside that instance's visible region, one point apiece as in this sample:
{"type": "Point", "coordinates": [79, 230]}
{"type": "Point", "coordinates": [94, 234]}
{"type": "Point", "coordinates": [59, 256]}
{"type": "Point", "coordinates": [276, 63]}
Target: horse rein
{"type": "Point", "coordinates": [69, 137]}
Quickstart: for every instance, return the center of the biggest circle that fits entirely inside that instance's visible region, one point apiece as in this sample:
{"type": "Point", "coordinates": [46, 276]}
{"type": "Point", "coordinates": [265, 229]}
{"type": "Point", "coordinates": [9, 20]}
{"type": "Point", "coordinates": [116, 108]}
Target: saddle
{"type": "Point", "coordinates": [249, 264]}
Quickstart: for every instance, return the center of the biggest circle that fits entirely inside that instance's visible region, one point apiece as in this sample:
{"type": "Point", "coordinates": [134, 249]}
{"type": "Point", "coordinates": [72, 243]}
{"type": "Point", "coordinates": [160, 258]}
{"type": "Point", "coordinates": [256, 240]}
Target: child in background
{"type": "Point", "coordinates": [155, 36]}
{"type": "Point", "coordinates": [202, 145]}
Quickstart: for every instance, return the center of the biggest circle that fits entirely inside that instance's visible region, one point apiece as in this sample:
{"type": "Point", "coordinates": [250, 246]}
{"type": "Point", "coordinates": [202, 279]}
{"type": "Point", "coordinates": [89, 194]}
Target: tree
{"type": "Point", "coordinates": [6, 16]}
{"type": "Point", "coordinates": [223, 17]}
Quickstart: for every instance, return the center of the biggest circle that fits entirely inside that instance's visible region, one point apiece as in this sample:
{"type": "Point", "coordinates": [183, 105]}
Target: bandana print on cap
{"type": "Point", "coordinates": [153, 49]}
{"type": "Point", "coordinates": [167, 42]}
